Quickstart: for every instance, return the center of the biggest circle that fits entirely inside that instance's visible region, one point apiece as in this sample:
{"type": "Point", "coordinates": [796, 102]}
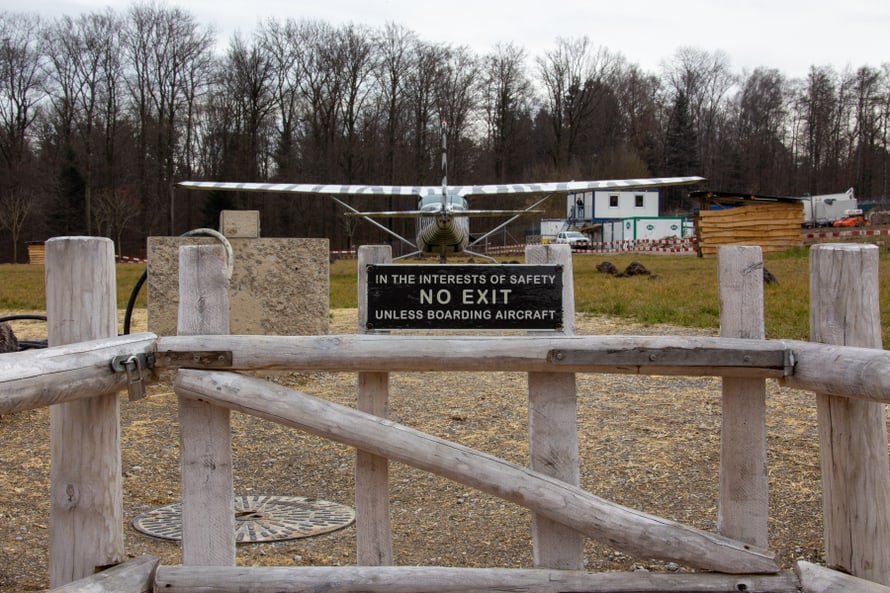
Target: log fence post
{"type": "Point", "coordinates": [743, 510]}
{"type": "Point", "coordinates": [86, 513]}
{"type": "Point", "coordinates": [208, 500]}
{"type": "Point", "coordinates": [553, 429]}
{"type": "Point", "coordinates": [845, 310]}
{"type": "Point", "coordinates": [372, 509]}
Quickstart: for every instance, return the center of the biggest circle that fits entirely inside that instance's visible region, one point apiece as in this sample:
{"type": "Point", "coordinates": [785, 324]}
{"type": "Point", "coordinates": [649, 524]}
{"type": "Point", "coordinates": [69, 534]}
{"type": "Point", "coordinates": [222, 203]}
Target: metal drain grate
{"type": "Point", "coordinates": [258, 518]}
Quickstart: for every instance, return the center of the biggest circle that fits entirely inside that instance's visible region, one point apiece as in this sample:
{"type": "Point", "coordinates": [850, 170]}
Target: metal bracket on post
{"type": "Point", "coordinates": [133, 365]}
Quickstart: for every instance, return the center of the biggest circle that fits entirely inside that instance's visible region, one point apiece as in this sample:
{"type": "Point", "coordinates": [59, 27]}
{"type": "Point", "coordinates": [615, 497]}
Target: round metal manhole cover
{"type": "Point", "coordinates": [258, 518]}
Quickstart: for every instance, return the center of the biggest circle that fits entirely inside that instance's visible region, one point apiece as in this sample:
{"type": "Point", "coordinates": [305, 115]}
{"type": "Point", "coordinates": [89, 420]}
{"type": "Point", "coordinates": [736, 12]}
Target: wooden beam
{"type": "Point", "coordinates": [862, 373]}
{"type": "Point", "coordinates": [634, 532]}
{"type": "Point", "coordinates": [432, 579]}
{"type": "Point", "coordinates": [133, 576]}
{"type": "Point", "coordinates": [819, 579]}
{"type": "Point", "coordinates": [629, 355]}
{"type": "Point", "coordinates": [39, 378]}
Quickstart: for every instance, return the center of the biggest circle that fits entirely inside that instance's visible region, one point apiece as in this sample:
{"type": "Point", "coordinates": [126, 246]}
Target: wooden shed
{"type": "Point", "coordinates": [727, 218]}
{"type": "Point", "coordinates": [36, 252]}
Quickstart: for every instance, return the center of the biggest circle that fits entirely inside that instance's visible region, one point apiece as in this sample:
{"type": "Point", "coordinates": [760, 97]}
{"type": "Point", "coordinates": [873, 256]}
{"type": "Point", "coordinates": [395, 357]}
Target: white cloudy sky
{"type": "Point", "coordinates": [790, 35]}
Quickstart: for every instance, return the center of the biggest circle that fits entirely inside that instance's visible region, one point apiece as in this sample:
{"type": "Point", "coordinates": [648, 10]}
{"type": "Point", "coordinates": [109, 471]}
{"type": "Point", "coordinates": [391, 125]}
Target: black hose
{"type": "Point", "coordinates": [22, 317]}
{"type": "Point", "coordinates": [128, 314]}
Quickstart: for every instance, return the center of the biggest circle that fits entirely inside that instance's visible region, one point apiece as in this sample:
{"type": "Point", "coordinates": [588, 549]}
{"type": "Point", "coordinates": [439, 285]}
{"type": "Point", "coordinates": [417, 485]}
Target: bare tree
{"type": "Point", "coordinates": [506, 94]}
{"type": "Point", "coordinates": [706, 79]}
{"type": "Point", "coordinates": [763, 159]}
{"type": "Point", "coordinates": [164, 46]}
{"type": "Point", "coordinates": [457, 100]}
{"type": "Point", "coordinates": [115, 210]}
{"type": "Point", "coordinates": [21, 81]}
{"type": "Point", "coordinates": [359, 59]}
{"type": "Point", "coordinates": [14, 210]}
{"type": "Point", "coordinates": [818, 102]}
{"type": "Point", "coordinates": [577, 79]}
{"type": "Point", "coordinates": [395, 46]}
{"type": "Point", "coordinates": [81, 50]}
{"type": "Point", "coordinates": [247, 75]}
{"type": "Point", "coordinates": [870, 96]}
{"type": "Point", "coordinates": [636, 93]}
{"type": "Point", "coordinates": [883, 187]}
{"type": "Point", "coordinates": [423, 123]}
{"type": "Point", "coordinates": [322, 89]}
{"type": "Point", "coordinates": [281, 43]}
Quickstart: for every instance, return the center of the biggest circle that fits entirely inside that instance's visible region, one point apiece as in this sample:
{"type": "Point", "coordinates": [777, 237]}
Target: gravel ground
{"type": "Point", "coordinates": [647, 443]}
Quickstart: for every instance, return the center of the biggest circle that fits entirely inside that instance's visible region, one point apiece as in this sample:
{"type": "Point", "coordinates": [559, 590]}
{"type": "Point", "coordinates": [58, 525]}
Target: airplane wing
{"type": "Point", "coordinates": [311, 188]}
{"type": "Point", "coordinates": [435, 213]}
{"type": "Point", "coordinates": [571, 186]}
{"type": "Point", "coordinates": [433, 190]}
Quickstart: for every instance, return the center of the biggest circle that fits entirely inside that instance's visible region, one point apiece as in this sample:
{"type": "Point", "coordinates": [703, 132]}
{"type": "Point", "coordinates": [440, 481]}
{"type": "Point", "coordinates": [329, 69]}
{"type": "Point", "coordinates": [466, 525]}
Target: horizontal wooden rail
{"type": "Point", "coordinates": [133, 576]}
{"type": "Point", "coordinates": [847, 371]}
{"type": "Point", "coordinates": [651, 355]}
{"type": "Point", "coordinates": [432, 579]}
{"type": "Point", "coordinates": [632, 531]}
{"type": "Point", "coordinates": [39, 378]}
{"type": "Point", "coordinates": [819, 579]}
{"type": "Point", "coordinates": [861, 373]}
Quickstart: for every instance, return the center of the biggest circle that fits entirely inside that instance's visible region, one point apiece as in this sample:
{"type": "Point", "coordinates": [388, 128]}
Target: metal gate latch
{"type": "Point", "coordinates": [133, 364]}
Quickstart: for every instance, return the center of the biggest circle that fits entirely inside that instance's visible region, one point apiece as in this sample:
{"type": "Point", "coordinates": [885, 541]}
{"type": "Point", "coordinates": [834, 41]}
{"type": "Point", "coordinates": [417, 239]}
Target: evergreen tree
{"type": "Point", "coordinates": [680, 140]}
{"type": "Point", "coordinates": [679, 153]}
{"type": "Point", "coordinates": [67, 215]}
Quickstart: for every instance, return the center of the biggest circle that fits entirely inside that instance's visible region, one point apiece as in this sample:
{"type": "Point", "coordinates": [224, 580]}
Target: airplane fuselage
{"type": "Point", "coordinates": [439, 231]}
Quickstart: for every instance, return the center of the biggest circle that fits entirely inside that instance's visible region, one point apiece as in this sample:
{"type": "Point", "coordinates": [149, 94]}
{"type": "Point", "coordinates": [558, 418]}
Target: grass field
{"type": "Point", "coordinates": [22, 286]}
{"type": "Point", "coordinates": [683, 290]}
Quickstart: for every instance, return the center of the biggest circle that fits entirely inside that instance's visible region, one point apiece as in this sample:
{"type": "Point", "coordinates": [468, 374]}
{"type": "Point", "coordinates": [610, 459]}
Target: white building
{"type": "Point", "coordinates": [643, 228]}
{"type": "Point", "coordinates": [599, 206]}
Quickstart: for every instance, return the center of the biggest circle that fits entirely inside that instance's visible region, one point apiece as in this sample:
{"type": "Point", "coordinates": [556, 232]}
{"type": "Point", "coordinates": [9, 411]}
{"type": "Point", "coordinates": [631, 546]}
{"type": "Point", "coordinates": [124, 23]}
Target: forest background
{"type": "Point", "coordinates": [102, 113]}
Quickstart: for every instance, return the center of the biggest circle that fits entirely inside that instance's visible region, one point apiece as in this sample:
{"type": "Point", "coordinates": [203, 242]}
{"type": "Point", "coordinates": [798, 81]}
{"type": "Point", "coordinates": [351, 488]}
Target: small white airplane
{"type": "Point", "coordinates": [442, 212]}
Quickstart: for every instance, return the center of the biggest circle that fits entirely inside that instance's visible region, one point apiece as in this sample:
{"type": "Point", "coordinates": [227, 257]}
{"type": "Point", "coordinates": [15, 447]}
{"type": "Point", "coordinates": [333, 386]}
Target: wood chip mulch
{"type": "Point", "coordinates": [648, 443]}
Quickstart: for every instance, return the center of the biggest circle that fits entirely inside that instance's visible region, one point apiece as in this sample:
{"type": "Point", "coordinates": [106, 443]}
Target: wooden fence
{"type": "Point", "coordinates": [80, 375]}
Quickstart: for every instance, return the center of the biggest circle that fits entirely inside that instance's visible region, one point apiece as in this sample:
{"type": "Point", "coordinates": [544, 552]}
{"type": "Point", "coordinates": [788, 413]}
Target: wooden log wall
{"type": "Point", "coordinates": [771, 226]}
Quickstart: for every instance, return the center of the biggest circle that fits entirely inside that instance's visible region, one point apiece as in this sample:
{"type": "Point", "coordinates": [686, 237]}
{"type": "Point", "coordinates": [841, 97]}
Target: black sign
{"type": "Point", "coordinates": [490, 297]}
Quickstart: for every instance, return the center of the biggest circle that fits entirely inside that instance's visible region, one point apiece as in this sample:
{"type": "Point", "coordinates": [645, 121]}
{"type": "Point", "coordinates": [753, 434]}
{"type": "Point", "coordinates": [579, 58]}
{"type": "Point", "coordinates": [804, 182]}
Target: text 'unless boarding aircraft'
{"type": "Point", "coordinates": [442, 212]}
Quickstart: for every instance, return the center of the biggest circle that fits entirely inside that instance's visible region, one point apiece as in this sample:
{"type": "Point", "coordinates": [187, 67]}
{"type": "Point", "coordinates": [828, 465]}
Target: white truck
{"type": "Point", "coordinates": [575, 239]}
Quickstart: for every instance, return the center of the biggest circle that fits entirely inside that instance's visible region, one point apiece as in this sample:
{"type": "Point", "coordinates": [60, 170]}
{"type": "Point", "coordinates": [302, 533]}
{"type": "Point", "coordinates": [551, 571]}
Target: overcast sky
{"type": "Point", "coordinates": [790, 35]}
